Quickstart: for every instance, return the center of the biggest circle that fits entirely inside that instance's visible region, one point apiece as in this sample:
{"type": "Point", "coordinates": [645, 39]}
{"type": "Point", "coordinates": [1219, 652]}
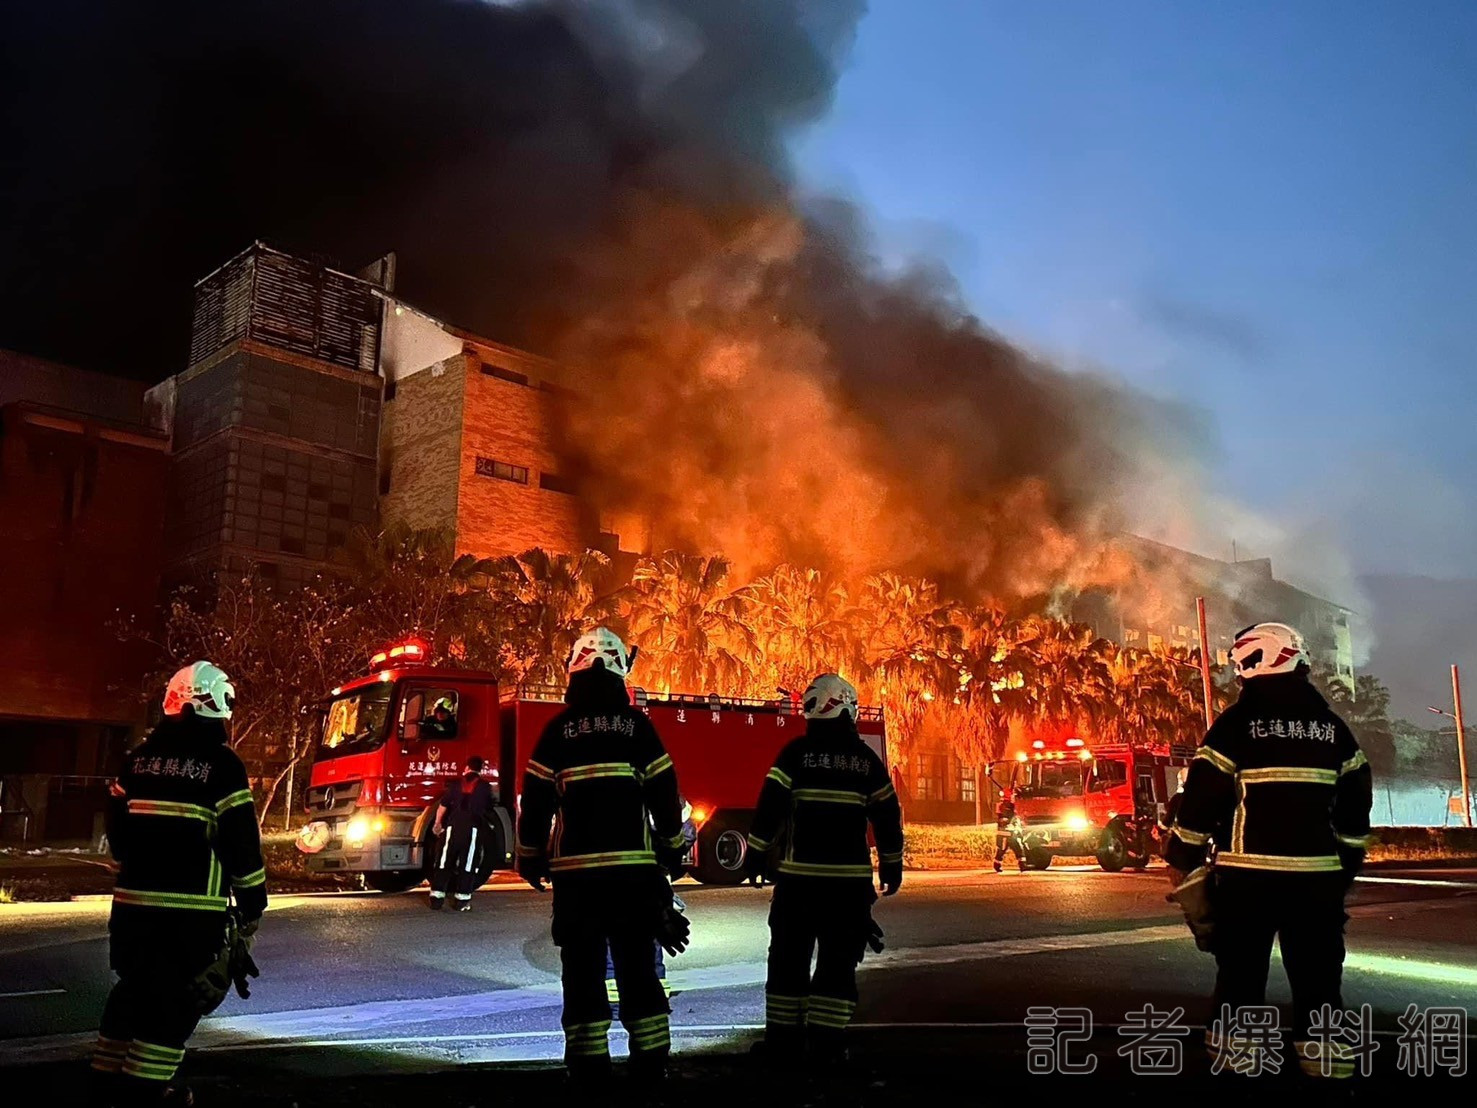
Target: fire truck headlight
{"type": "Point", "coordinates": [1077, 822]}
{"type": "Point", "coordinates": [357, 831]}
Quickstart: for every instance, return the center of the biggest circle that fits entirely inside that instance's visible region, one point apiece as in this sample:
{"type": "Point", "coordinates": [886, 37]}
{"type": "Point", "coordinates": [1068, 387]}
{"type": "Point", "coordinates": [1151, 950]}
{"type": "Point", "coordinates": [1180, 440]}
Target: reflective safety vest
{"type": "Point", "coordinates": [1279, 784]}
{"type": "Point", "coordinates": [605, 782]}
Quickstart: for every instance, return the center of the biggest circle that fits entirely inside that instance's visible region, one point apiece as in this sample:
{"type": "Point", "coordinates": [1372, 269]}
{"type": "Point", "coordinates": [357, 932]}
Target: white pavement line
{"type": "Point", "coordinates": [1423, 882]}
{"type": "Point", "coordinates": [32, 992]}
{"type": "Point", "coordinates": [292, 1026]}
{"type": "Point", "coordinates": [996, 948]}
{"type": "Point", "coordinates": [678, 1030]}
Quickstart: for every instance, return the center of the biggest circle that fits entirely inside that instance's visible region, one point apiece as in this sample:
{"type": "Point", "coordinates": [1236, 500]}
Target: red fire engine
{"type": "Point", "coordinates": [1105, 800]}
{"type": "Point", "coordinates": [384, 760]}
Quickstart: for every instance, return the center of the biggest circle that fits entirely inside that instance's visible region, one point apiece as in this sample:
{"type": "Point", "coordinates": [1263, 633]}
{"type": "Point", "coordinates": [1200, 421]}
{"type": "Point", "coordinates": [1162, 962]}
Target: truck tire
{"type": "Point", "coordinates": [492, 858]}
{"type": "Point", "coordinates": [1037, 858]}
{"type": "Point", "coordinates": [722, 847]}
{"type": "Point", "coordinates": [393, 880]}
{"type": "Point", "coordinates": [1112, 850]}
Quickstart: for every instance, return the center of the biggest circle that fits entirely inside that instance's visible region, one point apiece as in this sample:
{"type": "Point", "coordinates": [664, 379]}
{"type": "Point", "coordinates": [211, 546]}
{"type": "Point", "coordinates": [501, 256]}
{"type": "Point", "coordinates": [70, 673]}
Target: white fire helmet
{"type": "Point", "coordinates": [1267, 649]}
{"type": "Point", "coordinates": [202, 686]}
{"type": "Point", "coordinates": [829, 696]}
{"type": "Point", "coordinates": [602, 645]}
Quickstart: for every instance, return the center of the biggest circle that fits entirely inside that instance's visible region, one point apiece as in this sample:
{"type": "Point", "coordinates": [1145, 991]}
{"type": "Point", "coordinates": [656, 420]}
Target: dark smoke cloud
{"type": "Point", "coordinates": [604, 182]}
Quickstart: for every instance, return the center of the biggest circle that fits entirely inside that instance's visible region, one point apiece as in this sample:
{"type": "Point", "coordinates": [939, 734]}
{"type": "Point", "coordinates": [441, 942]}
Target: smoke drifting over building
{"type": "Point", "coordinates": [605, 183]}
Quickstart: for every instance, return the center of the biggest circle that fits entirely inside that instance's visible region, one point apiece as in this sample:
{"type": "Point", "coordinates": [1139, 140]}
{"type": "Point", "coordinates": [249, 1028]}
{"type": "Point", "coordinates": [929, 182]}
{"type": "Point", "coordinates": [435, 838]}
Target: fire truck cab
{"type": "Point", "coordinates": [385, 757]}
{"type": "Point", "coordinates": [1104, 800]}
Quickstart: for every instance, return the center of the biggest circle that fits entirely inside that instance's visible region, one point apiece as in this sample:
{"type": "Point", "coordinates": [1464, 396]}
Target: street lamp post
{"type": "Point", "coordinates": [1461, 740]}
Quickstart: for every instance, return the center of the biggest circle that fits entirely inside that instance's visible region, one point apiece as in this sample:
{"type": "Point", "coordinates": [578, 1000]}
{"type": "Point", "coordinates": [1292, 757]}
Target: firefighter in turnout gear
{"type": "Point", "coordinates": [462, 826]}
{"type": "Point", "coordinates": [603, 779]}
{"type": "Point", "coordinates": [1008, 832]}
{"type": "Point", "coordinates": [820, 795]}
{"type": "Point", "coordinates": [182, 826]}
{"type": "Point", "coordinates": [1282, 791]}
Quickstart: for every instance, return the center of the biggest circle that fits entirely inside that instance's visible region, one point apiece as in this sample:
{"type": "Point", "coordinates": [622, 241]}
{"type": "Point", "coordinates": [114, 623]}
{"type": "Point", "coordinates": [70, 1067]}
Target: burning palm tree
{"type": "Point", "coordinates": [689, 626]}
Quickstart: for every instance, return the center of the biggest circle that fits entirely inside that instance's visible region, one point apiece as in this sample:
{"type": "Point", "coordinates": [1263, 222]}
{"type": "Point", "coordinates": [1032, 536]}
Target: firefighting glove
{"type": "Point", "coordinates": [1193, 895]}
{"type": "Point", "coordinates": [534, 869]}
{"type": "Point", "coordinates": [240, 964]}
{"type": "Point", "coordinates": [874, 935]}
{"type": "Point", "coordinates": [209, 987]}
{"type": "Point", "coordinates": [673, 929]}
{"type": "Point", "coordinates": [891, 876]}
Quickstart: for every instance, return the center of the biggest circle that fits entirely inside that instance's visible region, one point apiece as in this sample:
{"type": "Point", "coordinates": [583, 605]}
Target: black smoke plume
{"type": "Point", "coordinates": [606, 183]}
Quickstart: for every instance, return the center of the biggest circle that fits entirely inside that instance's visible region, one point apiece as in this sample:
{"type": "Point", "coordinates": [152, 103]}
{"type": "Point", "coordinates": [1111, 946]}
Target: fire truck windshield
{"type": "Point", "coordinates": [1052, 778]}
{"type": "Point", "coordinates": [356, 722]}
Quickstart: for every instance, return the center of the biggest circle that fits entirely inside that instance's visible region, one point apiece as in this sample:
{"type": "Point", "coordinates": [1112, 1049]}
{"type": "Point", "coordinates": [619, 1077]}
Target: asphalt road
{"type": "Point", "coordinates": [382, 983]}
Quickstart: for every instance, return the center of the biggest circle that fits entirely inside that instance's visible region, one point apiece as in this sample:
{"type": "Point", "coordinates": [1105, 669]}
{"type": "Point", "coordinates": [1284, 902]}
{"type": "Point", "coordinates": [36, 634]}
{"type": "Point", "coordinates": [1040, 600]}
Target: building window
{"type": "Point", "coordinates": [931, 776]}
{"type": "Point", "coordinates": [555, 482]}
{"type": "Point", "coordinates": [966, 779]}
{"type": "Point", "coordinates": [504, 374]}
{"type": "Point", "coordinates": [1131, 635]}
{"type": "Point", "coordinates": [486, 467]}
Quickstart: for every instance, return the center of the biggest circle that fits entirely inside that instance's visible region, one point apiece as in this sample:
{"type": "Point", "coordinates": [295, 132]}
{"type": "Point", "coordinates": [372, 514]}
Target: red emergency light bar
{"type": "Point", "coordinates": [411, 651]}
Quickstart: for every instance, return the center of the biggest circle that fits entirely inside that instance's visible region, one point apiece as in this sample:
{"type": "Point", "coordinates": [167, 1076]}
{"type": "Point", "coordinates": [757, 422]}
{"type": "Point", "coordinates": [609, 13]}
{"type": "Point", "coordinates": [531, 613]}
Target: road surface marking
{"type": "Point", "coordinates": [1423, 882]}
{"type": "Point", "coordinates": [290, 1026]}
{"type": "Point", "coordinates": [678, 1030]}
{"type": "Point", "coordinates": [32, 992]}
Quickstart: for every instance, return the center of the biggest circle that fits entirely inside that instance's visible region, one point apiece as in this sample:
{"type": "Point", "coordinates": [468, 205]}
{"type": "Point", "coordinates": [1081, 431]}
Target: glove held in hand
{"type": "Point", "coordinates": [1193, 896]}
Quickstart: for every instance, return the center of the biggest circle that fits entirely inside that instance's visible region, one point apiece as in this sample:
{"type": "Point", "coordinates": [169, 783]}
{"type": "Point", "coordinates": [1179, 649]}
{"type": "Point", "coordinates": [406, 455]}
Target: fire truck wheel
{"type": "Point", "coordinates": [392, 880]}
{"type": "Point", "coordinates": [1038, 858]}
{"type": "Point", "coordinates": [1112, 851]}
{"type": "Point", "coordinates": [721, 849]}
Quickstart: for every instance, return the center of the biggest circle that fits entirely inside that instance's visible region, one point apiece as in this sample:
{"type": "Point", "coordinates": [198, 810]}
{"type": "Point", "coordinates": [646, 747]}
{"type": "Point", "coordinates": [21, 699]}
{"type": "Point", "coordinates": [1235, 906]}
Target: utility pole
{"type": "Point", "coordinates": [1461, 744]}
{"type": "Point", "coordinates": [1205, 671]}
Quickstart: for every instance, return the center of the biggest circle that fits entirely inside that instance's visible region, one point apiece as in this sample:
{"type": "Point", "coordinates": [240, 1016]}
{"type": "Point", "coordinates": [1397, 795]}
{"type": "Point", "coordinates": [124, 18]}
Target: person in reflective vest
{"type": "Point", "coordinates": [182, 826]}
{"type": "Point", "coordinates": [1282, 792]}
{"type": "Point", "coordinates": [602, 778]}
{"type": "Point", "coordinates": [814, 808]}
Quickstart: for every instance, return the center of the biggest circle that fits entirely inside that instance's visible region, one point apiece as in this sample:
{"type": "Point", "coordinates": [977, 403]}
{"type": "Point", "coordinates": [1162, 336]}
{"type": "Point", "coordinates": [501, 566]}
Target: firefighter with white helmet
{"type": "Point", "coordinates": [1282, 792]}
{"type": "Point", "coordinates": [191, 888]}
{"type": "Point", "coordinates": [814, 808]}
{"type": "Point", "coordinates": [602, 778]}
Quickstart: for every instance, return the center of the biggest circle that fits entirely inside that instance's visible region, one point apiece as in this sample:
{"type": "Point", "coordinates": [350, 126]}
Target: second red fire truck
{"type": "Point", "coordinates": [1102, 800]}
{"type": "Point", "coordinates": [384, 760]}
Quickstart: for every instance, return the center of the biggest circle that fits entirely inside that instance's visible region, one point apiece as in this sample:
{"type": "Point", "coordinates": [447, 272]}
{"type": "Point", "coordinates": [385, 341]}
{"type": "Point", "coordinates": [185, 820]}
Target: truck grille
{"type": "Point", "coordinates": [331, 800]}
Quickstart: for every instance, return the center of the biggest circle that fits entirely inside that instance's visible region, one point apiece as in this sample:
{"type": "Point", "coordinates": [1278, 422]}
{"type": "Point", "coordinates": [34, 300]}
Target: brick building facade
{"type": "Point", "coordinates": [466, 442]}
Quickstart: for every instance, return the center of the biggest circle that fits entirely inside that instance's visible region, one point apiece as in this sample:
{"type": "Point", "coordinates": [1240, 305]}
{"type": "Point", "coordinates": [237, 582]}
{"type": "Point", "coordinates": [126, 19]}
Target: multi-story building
{"type": "Point", "coordinates": [275, 421]}
{"type": "Point", "coordinates": [1154, 609]}
{"type": "Point", "coordinates": [81, 494]}
{"type": "Point", "coordinates": [467, 441]}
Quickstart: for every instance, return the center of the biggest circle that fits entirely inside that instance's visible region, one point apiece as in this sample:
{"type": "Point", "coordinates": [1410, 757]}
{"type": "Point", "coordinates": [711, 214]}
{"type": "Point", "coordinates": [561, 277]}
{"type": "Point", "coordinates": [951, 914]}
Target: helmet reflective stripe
{"type": "Point", "coordinates": [1266, 649]}
{"type": "Point", "coordinates": [205, 688]}
{"type": "Point", "coordinates": [828, 696]}
{"type": "Point", "coordinates": [604, 646]}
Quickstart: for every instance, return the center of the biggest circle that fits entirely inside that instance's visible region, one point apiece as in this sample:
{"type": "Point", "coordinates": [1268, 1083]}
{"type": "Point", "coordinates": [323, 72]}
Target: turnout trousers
{"type": "Point", "coordinates": [458, 855]}
{"type": "Point", "coordinates": [824, 919]}
{"type": "Point", "coordinates": [150, 1014]}
{"type": "Point", "coordinates": [1304, 913]}
{"type": "Point", "coordinates": [1008, 842]}
{"type": "Point", "coordinates": [615, 912]}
